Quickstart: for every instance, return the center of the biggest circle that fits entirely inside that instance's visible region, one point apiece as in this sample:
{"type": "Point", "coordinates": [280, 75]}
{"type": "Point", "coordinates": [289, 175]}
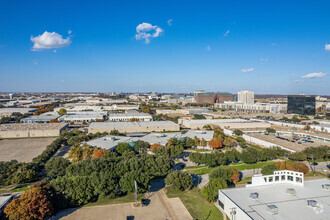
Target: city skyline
{"type": "Point", "coordinates": [274, 48]}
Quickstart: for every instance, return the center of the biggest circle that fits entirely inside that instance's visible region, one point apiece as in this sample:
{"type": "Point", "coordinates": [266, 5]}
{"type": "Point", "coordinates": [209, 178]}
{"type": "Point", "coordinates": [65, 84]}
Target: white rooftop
{"type": "Point", "coordinates": [213, 121]}
{"type": "Point", "coordinates": [289, 206]}
{"type": "Point", "coordinates": [130, 124]}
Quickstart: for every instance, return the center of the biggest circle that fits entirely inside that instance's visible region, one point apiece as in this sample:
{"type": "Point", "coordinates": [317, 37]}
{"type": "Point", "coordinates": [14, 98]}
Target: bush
{"type": "Point", "coordinates": [179, 180]}
{"type": "Point", "coordinates": [56, 166]}
{"type": "Point", "coordinates": [123, 147]}
{"type": "Point", "coordinates": [221, 173]}
{"type": "Point", "coordinates": [269, 169]}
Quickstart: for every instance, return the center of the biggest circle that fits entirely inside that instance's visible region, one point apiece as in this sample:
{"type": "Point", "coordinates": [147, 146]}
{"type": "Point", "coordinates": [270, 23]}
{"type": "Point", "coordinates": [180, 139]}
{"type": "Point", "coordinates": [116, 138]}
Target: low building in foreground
{"type": "Point", "coordinates": [39, 119]}
{"type": "Point", "coordinates": [6, 112]}
{"type": "Point", "coordinates": [223, 123]}
{"type": "Point", "coordinates": [130, 115]}
{"type": "Point", "coordinates": [133, 127]}
{"type": "Point", "coordinates": [283, 195]}
{"type": "Point", "coordinates": [27, 130]}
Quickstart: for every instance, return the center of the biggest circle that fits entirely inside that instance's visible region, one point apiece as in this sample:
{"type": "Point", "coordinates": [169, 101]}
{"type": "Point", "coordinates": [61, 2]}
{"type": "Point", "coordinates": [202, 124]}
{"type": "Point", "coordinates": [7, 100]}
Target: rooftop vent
{"type": "Point", "coordinates": [201, 132]}
{"type": "Point", "coordinates": [291, 191]}
{"type": "Point", "coordinates": [109, 138]}
{"type": "Point", "coordinates": [272, 209]}
{"type": "Point", "coordinates": [312, 203]}
{"type": "Point", "coordinates": [254, 195]}
{"type": "Point", "coordinates": [326, 187]}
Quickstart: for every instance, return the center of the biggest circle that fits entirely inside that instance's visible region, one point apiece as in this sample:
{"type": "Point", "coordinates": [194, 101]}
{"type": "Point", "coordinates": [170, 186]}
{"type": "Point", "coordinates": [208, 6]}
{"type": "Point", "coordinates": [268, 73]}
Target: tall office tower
{"type": "Point", "coordinates": [246, 97]}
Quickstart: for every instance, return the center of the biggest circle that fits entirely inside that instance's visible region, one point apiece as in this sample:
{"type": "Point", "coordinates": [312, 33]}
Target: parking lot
{"type": "Point", "coordinates": [24, 149]}
{"type": "Point", "coordinates": [160, 207]}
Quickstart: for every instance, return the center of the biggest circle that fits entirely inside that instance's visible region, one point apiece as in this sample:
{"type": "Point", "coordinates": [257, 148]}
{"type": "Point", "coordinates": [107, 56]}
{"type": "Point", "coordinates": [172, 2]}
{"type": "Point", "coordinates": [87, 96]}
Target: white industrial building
{"type": "Point", "coordinates": [6, 112]}
{"type": "Point", "coordinates": [81, 118]}
{"type": "Point", "coordinates": [129, 116]}
{"type": "Point", "coordinates": [281, 196]}
{"type": "Point", "coordinates": [245, 97]}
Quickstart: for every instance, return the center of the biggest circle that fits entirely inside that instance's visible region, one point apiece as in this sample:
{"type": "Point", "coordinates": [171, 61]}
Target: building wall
{"type": "Point", "coordinates": [213, 98]}
{"type": "Point", "coordinates": [136, 129]}
{"type": "Point", "coordinates": [228, 207]}
{"type": "Point", "coordinates": [31, 133]}
{"type": "Point", "coordinates": [245, 97]}
{"type": "Point", "coordinates": [302, 105]}
{"type": "Point", "coordinates": [187, 124]}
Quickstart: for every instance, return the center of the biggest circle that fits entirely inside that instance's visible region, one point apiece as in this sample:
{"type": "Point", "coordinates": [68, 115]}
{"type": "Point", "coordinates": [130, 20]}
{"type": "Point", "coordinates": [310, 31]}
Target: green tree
{"type": "Point", "coordinates": [211, 190]}
{"type": "Point", "coordinates": [269, 169]}
{"type": "Point", "coordinates": [62, 111]}
{"type": "Point", "coordinates": [270, 130]}
{"type": "Point", "coordinates": [179, 180]}
{"type": "Point", "coordinates": [238, 132]}
{"type": "Point", "coordinates": [221, 173]}
{"type": "Point", "coordinates": [141, 146]}
{"type": "Point", "coordinates": [56, 166]}
{"type": "Point", "coordinates": [198, 116]}
{"type": "Point", "coordinates": [123, 147]}
{"type": "Point", "coordinates": [249, 155]}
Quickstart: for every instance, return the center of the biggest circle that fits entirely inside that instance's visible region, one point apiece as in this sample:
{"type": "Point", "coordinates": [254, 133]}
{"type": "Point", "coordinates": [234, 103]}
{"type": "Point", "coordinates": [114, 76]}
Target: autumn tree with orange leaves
{"type": "Point", "coordinates": [98, 152]}
{"type": "Point", "coordinates": [37, 202]}
{"type": "Point", "coordinates": [215, 143]}
{"type": "Point", "coordinates": [154, 146]}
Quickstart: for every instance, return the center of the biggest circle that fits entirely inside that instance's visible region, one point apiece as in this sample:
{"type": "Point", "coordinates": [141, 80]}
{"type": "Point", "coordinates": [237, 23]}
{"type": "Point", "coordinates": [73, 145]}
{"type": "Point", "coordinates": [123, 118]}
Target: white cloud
{"type": "Point", "coordinates": [327, 47]}
{"type": "Point", "coordinates": [227, 33]}
{"type": "Point", "coordinates": [49, 40]}
{"type": "Point", "coordinates": [62, 81]}
{"type": "Point", "coordinates": [247, 70]}
{"type": "Point", "coordinates": [69, 32]}
{"type": "Point", "coordinates": [145, 31]}
{"type": "Point", "coordinates": [314, 75]}
{"type": "Point", "coordinates": [35, 62]}
{"type": "Point", "coordinates": [170, 22]}
{"type": "Point", "coordinates": [208, 48]}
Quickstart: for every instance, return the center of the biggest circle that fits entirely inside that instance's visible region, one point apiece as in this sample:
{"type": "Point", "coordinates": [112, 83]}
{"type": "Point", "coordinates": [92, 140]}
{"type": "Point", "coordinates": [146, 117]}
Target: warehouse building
{"type": "Point", "coordinates": [81, 118]}
{"type": "Point", "coordinates": [6, 112]}
{"type": "Point", "coordinates": [223, 123]}
{"type": "Point", "coordinates": [39, 119]}
{"type": "Point", "coordinates": [133, 127]}
{"type": "Point", "coordinates": [129, 116]}
{"type": "Point", "coordinates": [27, 130]}
{"type": "Point", "coordinates": [280, 198]}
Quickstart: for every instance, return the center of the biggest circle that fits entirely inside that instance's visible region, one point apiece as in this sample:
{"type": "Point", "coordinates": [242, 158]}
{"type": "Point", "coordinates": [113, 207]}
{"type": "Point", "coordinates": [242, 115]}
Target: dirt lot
{"type": "Point", "coordinates": [23, 150]}
{"type": "Point", "coordinates": [160, 207]}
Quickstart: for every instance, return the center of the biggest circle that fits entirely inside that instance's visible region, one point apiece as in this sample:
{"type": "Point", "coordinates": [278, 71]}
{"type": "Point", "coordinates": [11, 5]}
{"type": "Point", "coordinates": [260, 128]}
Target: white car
{"type": "Point", "coordinates": [325, 170]}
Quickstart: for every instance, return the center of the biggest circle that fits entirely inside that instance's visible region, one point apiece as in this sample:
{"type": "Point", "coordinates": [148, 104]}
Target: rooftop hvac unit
{"type": "Point", "coordinates": [254, 195]}
{"type": "Point", "coordinates": [291, 191]}
{"type": "Point", "coordinates": [272, 209]}
{"type": "Point", "coordinates": [312, 203]}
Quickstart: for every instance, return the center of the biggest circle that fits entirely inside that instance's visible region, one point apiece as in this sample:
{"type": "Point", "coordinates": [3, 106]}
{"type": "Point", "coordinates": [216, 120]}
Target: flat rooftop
{"type": "Point", "coordinates": [129, 114]}
{"type": "Point", "coordinates": [289, 206]}
{"type": "Point", "coordinates": [4, 199]}
{"type": "Point", "coordinates": [210, 121]}
{"type": "Point", "coordinates": [131, 124]}
{"type": "Point", "coordinates": [31, 126]}
{"type": "Point", "coordinates": [18, 109]}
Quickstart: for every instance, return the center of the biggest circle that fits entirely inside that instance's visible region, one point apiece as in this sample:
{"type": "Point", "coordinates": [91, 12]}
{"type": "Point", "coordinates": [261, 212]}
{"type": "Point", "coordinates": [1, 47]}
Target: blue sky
{"type": "Point", "coordinates": [274, 47]}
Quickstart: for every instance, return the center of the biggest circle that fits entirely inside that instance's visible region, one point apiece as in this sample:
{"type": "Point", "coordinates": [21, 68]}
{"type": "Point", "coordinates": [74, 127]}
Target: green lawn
{"type": "Point", "coordinates": [109, 201]}
{"type": "Point", "coordinates": [197, 206]}
{"type": "Point", "coordinates": [238, 166]}
{"type": "Point", "coordinates": [244, 180]}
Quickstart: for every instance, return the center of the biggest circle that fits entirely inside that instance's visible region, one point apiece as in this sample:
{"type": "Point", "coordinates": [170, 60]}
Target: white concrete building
{"type": "Point", "coordinates": [252, 108]}
{"type": "Point", "coordinates": [283, 201]}
{"type": "Point", "coordinates": [130, 115]}
{"type": "Point", "coordinates": [81, 118]}
{"type": "Point", "coordinates": [245, 97]}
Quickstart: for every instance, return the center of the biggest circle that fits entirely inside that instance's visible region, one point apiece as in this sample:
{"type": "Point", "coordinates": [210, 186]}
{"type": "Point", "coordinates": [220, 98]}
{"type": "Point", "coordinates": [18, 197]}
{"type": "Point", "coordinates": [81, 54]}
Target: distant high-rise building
{"type": "Point", "coordinates": [246, 97]}
{"type": "Point", "coordinates": [212, 97]}
{"type": "Point", "coordinates": [11, 96]}
{"type": "Point", "coordinates": [301, 104]}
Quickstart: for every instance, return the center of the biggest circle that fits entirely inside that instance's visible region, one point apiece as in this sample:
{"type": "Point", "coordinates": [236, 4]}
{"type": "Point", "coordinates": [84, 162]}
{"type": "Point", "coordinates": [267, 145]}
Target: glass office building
{"type": "Point", "coordinates": [301, 104]}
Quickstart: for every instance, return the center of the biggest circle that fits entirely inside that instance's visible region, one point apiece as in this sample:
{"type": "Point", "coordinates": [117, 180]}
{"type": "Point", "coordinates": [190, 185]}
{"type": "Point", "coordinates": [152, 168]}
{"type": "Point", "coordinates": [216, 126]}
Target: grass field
{"type": "Point", "coordinates": [239, 166]}
{"type": "Point", "coordinates": [197, 206]}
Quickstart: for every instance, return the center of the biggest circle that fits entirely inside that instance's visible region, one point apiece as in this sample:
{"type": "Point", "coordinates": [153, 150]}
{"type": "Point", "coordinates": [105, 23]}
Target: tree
{"type": "Point", "coordinates": [211, 190]}
{"type": "Point", "coordinates": [215, 143]}
{"type": "Point", "coordinates": [238, 132]}
{"type": "Point", "coordinates": [269, 169]}
{"type": "Point", "coordinates": [198, 116]}
{"type": "Point", "coordinates": [203, 142]}
{"type": "Point", "coordinates": [221, 173]}
{"type": "Point", "coordinates": [153, 146]}
{"type": "Point", "coordinates": [300, 156]}
{"type": "Point", "coordinates": [307, 127]}
{"type": "Point", "coordinates": [249, 155]}
{"type": "Point", "coordinates": [236, 176]}
{"type": "Point", "coordinates": [62, 111]}
{"type": "Point", "coordinates": [189, 142]}
{"type": "Point", "coordinates": [99, 152]}
{"type": "Point", "coordinates": [123, 147]}
{"type": "Point", "coordinates": [141, 146]}
{"type": "Point", "coordinates": [228, 142]}
{"type": "Point", "coordinates": [53, 121]}
{"type": "Point", "coordinates": [146, 109]}
{"type": "Point", "coordinates": [270, 130]}
{"type": "Point", "coordinates": [114, 132]}
{"type": "Point", "coordinates": [232, 155]}
{"type": "Point", "coordinates": [33, 204]}
{"type": "Point", "coordinates": [207, 127]}
{"type": "Point", "coordinates": [196, 141]}
{"type": "Point", "coordinates": [179, 180]}
{"type": "Point", "coordinates": [134, 119]}
{"type": "Point", "coordinates": [56, 166]}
